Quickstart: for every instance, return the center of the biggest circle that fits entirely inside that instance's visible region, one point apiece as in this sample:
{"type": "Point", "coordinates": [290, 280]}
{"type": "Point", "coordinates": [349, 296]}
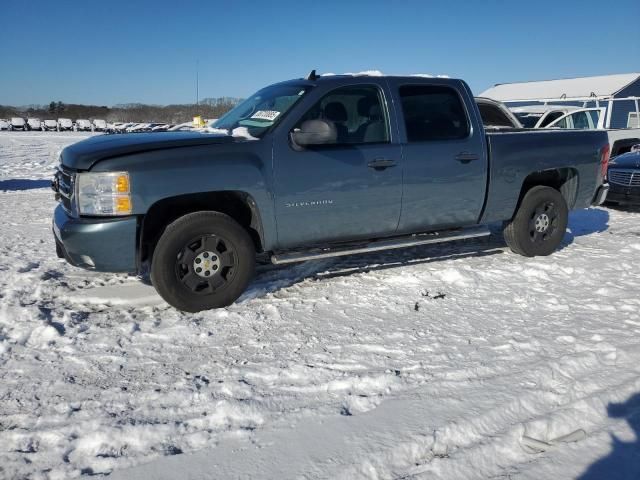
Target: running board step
{"type": "Point", "coordinates": [386, 244]}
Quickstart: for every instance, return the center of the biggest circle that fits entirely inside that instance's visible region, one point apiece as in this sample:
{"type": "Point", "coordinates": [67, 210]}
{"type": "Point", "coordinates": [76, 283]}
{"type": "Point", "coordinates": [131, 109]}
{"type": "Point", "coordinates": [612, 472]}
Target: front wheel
{"type": "Point", "coordinates": [203, 260]}
{"type": "Point", "coordinates": [540, 223]}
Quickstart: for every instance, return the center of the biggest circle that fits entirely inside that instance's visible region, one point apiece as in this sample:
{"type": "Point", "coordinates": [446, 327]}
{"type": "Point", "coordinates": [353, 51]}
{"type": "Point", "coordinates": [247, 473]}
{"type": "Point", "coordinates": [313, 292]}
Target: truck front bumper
{"type": "Point", "coordinates": [601, 194]}
{"type": "Point", "coordinates": [104, 245]}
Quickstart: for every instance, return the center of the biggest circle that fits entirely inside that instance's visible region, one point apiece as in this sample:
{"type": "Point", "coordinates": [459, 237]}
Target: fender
{"type": "Point", "coordinates": [162, 174]}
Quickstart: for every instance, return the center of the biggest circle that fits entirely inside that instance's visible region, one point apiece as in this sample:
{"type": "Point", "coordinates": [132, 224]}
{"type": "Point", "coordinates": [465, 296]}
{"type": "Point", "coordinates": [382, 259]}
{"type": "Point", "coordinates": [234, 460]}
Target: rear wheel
{"type": "Point", "coordinates": [203, 260]}
{"type": "Point", "coordinates": [540, 223]}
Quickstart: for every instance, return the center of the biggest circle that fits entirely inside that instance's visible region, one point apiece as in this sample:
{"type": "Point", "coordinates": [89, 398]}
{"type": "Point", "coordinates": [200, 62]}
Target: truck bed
{"type": "Point", "coordinates": [513, 152]}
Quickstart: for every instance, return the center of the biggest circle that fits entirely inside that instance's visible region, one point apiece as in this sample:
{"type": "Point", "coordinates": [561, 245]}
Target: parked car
{"type": "Point", "coordinates": [315, 168]}
{"type": "Point", "coordinates": [17, 123]}
{"type": "Point", "coordinates": [181, 127]}
{"type": "Point", "coordinates": [4, 124]}
{"type": "Point", "coordinates": [624, 178]}
{"type": "Point", "coordinates": [160, 127]}
{"type": "Point", "coordinates": [114, 127]}
{"type": "Point", "coordinates": [34, 124]}
{"type": "Point", "coordinates": [99, 125]}
{"type": "Point", "coordinates": [539, 116]}
{"type": "Point", "coordinates": [83, 125]}
{"type": "Point", "coordinates": [581, 119]}
{"type": "Point", "coordinates": [496, 115]}
{"type": "Point", "coordinates": [50, 125]}
{"type": "Point", "coordinates": [620, 139]}
{"type": "Point", "coordinates": [65, 124]}
{"type": "Point", "coordinates": [122, 127]}
{"type": "Point", "coordinates": [138, 128]}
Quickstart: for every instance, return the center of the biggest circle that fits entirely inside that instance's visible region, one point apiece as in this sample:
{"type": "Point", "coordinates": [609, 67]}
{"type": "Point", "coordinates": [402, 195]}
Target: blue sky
{"type": "Point", "coordinates": [114, 51]}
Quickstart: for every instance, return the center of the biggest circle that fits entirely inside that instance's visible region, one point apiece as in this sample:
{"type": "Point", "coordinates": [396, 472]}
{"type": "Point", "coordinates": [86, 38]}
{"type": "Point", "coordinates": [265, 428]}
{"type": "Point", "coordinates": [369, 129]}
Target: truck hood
{"type": "Point", "coordinates": [626, 160]}
{"type": "Point", "coordinates": [86, 153]}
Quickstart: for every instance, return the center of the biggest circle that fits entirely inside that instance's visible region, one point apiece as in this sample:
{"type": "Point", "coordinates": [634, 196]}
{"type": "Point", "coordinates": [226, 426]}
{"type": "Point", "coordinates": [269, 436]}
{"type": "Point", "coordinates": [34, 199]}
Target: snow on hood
{"type": "Point", "coordinates": [239, 132]}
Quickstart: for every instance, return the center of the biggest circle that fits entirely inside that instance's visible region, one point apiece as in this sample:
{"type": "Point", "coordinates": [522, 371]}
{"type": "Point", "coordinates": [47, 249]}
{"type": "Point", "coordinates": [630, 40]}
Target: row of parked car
{"type": "Point", "coordinates": [121, 127]}
{"type": "Point", "coordinates": [83, 125]}
{"type": "Point", "coordinates": [59, 125]}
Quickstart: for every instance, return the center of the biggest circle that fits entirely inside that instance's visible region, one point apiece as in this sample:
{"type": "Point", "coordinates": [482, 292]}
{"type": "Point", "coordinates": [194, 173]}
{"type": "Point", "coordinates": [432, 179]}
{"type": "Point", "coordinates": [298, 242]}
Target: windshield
{"type": "Point", "coordinates": [262, 110]}
{"type": "Point", "coordinates": [527, 119]}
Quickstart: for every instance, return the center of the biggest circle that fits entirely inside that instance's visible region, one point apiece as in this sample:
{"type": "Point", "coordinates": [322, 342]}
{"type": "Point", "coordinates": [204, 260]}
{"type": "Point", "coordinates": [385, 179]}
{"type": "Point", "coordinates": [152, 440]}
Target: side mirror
{"type": "Point", "coordinates": [314, 132]}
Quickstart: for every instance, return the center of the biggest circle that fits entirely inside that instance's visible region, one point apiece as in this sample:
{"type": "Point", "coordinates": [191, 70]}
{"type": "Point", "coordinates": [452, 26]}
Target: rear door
{"type": "Point", "coordinates": [444, 154]}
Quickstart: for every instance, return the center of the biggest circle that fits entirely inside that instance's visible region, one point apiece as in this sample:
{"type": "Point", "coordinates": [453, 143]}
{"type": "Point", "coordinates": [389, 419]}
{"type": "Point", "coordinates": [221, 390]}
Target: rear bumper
{"type": "Point", "coordinates": [104, 245]}
{"type": "Point", "coordinates": [601, 194]}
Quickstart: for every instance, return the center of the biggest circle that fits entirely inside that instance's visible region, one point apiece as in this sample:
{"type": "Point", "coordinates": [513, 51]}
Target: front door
{"type": "Point", "coordinates": [346, 190]}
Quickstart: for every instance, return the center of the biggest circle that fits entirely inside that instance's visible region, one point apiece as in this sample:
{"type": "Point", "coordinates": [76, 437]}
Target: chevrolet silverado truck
{"type": "Point", "coordinates": [313, 168]}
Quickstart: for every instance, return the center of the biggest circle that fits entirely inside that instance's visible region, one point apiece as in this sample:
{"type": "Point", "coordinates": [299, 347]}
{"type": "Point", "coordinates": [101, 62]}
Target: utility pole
{"type": "Point", "coordinates": [197, 82]}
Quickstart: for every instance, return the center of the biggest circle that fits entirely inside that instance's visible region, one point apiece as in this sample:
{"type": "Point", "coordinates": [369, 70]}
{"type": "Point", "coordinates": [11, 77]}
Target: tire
{"type": "Point", "coordinates": [212, 242]}
{"type": "Point", "coordinates": [539, 224]}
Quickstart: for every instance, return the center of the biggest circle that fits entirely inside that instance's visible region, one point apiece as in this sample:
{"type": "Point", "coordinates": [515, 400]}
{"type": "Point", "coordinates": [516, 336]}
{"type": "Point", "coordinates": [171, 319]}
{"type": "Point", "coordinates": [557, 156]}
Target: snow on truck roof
{"type": "Point", "coordinates": [601, 86]}
{"type": "Point", "coordinates": [378, 73]}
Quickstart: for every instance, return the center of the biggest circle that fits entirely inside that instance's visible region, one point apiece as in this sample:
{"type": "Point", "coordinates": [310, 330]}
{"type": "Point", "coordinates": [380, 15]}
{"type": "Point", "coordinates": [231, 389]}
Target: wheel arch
{"type": "Point", "coordinates": [239, 205]}
{"type": "Point", "coordinates": [566, 180]}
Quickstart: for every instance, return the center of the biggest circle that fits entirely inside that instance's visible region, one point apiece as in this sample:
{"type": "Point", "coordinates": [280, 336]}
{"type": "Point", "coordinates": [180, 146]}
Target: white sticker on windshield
{"type": "Point", "coordinates": [270, 115]}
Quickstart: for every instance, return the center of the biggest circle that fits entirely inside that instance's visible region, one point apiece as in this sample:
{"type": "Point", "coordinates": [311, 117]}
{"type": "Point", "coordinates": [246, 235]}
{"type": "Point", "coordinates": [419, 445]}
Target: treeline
{"type": "Point", "coordinates": [131, 112]}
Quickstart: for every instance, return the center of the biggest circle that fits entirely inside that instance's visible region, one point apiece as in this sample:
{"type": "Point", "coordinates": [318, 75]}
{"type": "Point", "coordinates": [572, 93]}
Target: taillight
{"type": "Point", "coordinates": [604, 160]}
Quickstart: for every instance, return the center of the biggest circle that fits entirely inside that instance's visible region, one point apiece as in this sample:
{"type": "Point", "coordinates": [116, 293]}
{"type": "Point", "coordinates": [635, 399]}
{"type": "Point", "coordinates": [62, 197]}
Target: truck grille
{"type": "Point", "coordinates": [626, 178]}
{"type": "Point", "coordinates": [64, 186]}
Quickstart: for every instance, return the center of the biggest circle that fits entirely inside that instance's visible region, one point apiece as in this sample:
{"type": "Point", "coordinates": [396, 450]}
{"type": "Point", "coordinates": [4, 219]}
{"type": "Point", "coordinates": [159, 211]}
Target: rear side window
{"type": "Point", "coordinates": [433, 113]}
{"type": "Point", "coordinates": [563, 123]}
{"type": "Point", "coordinates": [492, 116]}
{"type": "Point", "coordinates": [580, 120]}
{"type": "Point", "coordinates": [551, 117]}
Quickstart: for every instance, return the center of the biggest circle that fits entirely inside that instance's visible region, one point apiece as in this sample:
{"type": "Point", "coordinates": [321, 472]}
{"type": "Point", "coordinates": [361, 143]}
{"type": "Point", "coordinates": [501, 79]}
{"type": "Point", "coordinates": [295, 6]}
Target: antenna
{"type": "Point", "coordinates": [313, 76]}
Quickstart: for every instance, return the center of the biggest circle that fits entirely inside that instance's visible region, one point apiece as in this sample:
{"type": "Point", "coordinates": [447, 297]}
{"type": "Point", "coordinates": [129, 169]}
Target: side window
{"type": "Point", "coordinates": [492, 116]}
{"type": "Point", "coordinates": [433, 113]}
{"type": "Point", "coordinates": [580, 120]}
{"type": "Point", "coordinates": [595, 117]}
{"type": "Point", "coordinates": [356, 111]}
{"type": "Point", "coordinates": [551, 117]}
{"type": "Point", "coordinates": [563, 123]}
{"type": "Point", "coordinates": [633, 121]}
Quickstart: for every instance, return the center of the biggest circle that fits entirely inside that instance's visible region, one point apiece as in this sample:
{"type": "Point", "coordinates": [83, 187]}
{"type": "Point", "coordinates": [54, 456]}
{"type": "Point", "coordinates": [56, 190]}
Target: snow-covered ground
{"type": "Point", "coordinates": [448, 362]}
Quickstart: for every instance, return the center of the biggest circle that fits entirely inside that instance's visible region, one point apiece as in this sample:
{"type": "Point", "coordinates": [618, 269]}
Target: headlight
{"type": "Point", "coordinates": [105, 193]}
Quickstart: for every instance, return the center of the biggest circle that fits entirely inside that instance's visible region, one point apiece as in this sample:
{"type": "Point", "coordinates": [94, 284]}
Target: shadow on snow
{"type": "Point", "coordinates": [18, 184]}
{"type": "Point", "coordinates": [272, 278]}
{"type": "Point", "coordinates": [623, 462]}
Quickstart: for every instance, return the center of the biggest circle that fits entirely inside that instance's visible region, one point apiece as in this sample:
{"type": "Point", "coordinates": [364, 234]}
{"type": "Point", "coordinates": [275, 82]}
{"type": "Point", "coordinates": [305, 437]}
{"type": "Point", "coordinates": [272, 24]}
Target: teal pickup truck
{"type": "Point", "coordinates": [314, 168]}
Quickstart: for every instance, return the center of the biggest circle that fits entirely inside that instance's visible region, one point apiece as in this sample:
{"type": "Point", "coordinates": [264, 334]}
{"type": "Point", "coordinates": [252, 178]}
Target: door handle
{"type": "Point", "coordinates": [466, 157]}
{"type": "Point", "coordinates": [381, 163]}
